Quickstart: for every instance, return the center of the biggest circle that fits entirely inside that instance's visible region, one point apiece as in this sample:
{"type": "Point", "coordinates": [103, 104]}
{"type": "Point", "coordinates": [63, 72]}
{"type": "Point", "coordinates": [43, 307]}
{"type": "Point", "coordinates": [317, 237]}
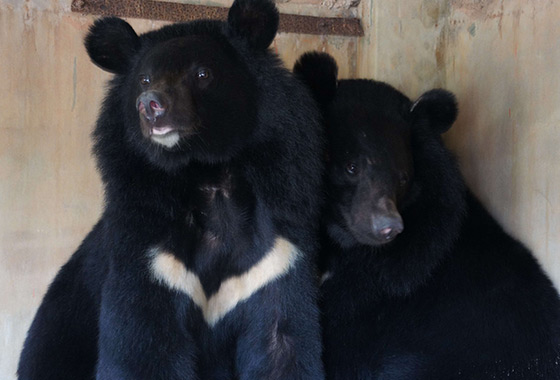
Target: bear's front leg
{"type": "Point", "coordinates": [282, 339]}
{"type": "Point", "coordinates": [62, 341]}
{"type": "Point", "coordinates": [140, 334]}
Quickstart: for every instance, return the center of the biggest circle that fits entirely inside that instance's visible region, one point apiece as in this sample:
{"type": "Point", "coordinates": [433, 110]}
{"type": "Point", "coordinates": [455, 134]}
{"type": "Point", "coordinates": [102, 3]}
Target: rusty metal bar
{"type": "Point", "coordinates": [177, 12]}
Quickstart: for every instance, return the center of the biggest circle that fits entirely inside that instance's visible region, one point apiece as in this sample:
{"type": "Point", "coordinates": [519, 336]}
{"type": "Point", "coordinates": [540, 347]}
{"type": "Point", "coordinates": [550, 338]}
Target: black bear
{"type": "Point", "coordinates": [420, 282]}
{"type": "Point", "coordinates": [201, 266]}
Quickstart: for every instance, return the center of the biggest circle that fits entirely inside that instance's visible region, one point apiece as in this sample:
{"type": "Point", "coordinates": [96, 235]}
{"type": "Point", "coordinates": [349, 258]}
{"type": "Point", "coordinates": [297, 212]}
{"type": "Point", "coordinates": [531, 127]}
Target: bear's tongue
{"type": "Point", "coordinates": [158, 131]}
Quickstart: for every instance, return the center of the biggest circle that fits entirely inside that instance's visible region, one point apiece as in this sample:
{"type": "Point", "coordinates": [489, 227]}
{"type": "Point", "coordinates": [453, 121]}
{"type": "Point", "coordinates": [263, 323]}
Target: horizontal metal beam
{"type": "Point", "coordinates": [178, 12]}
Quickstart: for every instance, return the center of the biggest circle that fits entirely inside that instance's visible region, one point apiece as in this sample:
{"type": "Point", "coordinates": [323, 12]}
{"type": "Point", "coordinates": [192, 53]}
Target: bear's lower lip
{"type": "Point", "coordinates": [160, 131]}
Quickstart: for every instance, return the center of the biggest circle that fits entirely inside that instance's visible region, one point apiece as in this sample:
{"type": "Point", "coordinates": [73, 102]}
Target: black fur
{"type": "Point", "coordinates": [246, 169]}
{"type": "Point", "coordinates": [319, 72]}
{"type": "Point", "coordinates": [112, 43]}
{"type": "Point", "coordinates": [452, 296]}
{"type": "Point", "coordinates": [254, 21]}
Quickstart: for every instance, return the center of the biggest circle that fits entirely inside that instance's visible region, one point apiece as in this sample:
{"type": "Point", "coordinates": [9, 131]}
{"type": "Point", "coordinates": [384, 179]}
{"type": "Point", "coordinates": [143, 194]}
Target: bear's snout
{"type": "Point", "coordinates": [150, 105]}
{"type": "Point", "coordinates": [374, 221]}
{"type": "Point", "coordinates": [387, 227]}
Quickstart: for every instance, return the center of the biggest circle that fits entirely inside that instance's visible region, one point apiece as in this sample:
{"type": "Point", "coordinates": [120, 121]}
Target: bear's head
{"type": "Point", "coordinates": [184, 91]}
{"type": "Point", "coordinates": [371, 168]}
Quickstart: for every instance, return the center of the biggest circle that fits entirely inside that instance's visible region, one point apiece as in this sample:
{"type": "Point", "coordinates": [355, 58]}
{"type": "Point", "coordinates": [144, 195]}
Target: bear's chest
{"type": "Point", "coordinates": [221, 233]}
{"type": "Point", "coordinates": [216, 302]}
{"type": "Point", "coordinates": [223, 249]}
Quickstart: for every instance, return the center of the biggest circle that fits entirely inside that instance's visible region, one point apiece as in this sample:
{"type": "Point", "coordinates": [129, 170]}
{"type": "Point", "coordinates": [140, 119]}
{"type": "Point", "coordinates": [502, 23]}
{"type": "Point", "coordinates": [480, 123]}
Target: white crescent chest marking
{"type": "Point", "coordinates": [170, 271]}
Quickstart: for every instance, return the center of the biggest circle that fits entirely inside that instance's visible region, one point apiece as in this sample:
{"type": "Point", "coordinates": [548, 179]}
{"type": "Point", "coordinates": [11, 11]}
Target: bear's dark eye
{"type": "Point", "coordinates": [351, 168]}
{"type": "Point", "coordinates": [203, 73]}
{"type": "Point", "coordinates": [145, 80]}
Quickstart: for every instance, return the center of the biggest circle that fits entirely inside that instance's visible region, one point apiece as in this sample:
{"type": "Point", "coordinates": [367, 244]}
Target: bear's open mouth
{"type": "Point", "coordinates": [163, 130]}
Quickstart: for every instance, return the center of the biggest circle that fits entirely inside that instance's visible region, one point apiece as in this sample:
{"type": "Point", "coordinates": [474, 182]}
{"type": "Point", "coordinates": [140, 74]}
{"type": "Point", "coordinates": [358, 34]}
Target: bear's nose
{"type": "Point", "coordinates": [387, 227]}
{"type": "Point", "coordinates": [150, 106]}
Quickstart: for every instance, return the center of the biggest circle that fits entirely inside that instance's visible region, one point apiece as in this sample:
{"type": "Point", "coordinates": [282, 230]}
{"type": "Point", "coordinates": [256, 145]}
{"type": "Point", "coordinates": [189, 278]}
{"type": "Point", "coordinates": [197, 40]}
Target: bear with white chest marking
{"type": "Point", "coordinates": [201, 265]}
{"type": "Point", "coordinates": [420, 281]}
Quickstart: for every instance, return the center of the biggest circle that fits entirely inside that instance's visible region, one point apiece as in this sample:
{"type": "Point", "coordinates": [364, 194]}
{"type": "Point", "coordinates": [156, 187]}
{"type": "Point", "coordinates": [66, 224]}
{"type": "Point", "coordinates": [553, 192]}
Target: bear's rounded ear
{"type": "Point", "coordinates": [319, 72]}
{"type": "Point", "coordinates": [111, 43]}
{"type": "Point", "coordinates": [438, 107]}
{"type": "Point", "coordinates": [255, 21]}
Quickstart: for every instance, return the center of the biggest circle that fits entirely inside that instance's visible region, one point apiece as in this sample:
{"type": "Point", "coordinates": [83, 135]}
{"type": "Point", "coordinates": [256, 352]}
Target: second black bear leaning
{"type": "Point", "coordinates": [420, 282]}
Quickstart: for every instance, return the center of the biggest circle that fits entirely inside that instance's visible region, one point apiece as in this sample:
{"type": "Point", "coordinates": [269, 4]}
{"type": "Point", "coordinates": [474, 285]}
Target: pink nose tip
{"type": "Point", "coordinates": [150, 105]}
{"type": "Point", "coordinates": [387, 227]}
{"type": "Point", "coordinates": [155, 106]}
{"type": "Point", "coordinates": [386, 231]}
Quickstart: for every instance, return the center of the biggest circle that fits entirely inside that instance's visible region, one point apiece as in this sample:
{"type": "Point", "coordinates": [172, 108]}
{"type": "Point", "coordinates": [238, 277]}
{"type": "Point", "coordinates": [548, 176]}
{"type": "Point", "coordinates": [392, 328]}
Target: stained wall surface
{"type": "Point", "coordinates": [501, 59]}
{"type": "Point", "coordinates": [50, 191]}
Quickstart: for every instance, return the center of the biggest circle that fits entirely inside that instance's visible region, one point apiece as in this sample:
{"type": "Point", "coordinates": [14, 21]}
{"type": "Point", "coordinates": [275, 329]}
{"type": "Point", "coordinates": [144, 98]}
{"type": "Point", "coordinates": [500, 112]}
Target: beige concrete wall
{"type": "Point", "coordinates": [501, 59]}
{"type": "Point", "coordinates": [50, 192]}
